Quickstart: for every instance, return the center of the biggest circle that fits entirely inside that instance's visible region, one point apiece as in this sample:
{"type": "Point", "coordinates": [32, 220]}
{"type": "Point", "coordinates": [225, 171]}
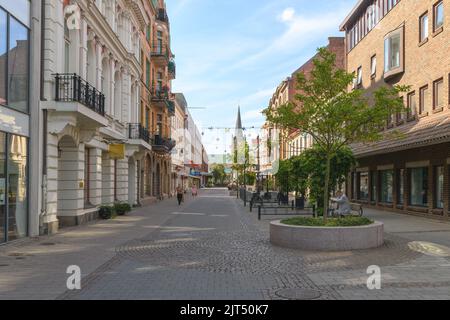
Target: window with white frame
{"type": "Point", "coordinates": [424, 27]}
{"type": "Point", "coordinates": [438, 15]}
{"type": "Point", "coordinates": [393, 53]}
{"type": "Point", "coordinates": [359, 76]}
{"type": "Point", "coordinates": [373, 65]}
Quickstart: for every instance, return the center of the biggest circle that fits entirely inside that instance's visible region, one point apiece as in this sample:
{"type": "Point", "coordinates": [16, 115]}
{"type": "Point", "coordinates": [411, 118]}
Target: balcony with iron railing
{"type": "Point", "coordinates": [162, 15]}
{"type": "Point", "coordinates": [72, 88]}
{"type": "Point", "coordinates": [160, 54]}
{"type": "Point", "coordinates": [164, 145]}
{"type": "Point", "coordinates": [137, 131]}
{"type": "Point", "coordinates": [172, 68]}
{"type": "Point", "coordinates": [161, 97]}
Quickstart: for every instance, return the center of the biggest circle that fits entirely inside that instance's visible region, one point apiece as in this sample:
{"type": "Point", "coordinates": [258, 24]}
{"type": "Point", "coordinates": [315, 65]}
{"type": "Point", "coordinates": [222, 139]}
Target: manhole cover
{"type": "Point", "coordinates": [298, 294]}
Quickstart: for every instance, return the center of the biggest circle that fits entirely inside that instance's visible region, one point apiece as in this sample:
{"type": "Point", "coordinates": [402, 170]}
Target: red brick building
{"type": "Point", "coordinates": [393, 42]}
{"type": "Point", "coordinates": [297, 141]}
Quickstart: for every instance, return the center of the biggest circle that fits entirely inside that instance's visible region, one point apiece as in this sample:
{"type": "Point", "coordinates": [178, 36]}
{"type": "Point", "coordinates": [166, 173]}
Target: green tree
{"type": "Point", "coordinates": [313, 167]}
{"type": "Point", "coordinates": [218, 173]}
{"type": "Point", "coordinates": [334, 116]}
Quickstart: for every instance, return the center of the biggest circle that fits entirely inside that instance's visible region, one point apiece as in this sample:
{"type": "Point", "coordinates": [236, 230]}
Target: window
{"type": "Point", "coordinates": [400, 186]}
{"type": "Point", "coordinates": [423, 103]}
{"type": "Point", "coordinates": [13, 189]}
{"type": "Point", "coordinates": [66, 47]}
{"type": "Point", "coordinates": [3, 51]}
{"type": "Point", "coordinates": [359, 77]}
{"type": "Point", "coordinates": [373, 186]}
{"type": "Point", "coordinates": [423, 27]}
{"type": "Point", "coordinates": [394, 53]}
{"type": "Point", "coordinates": [87, 177]}
{"type": "Point", "coordinates": [439, 187]}
{"type": "Point", "coordinates": [438, 20]}
{"type": "Point", "coordinates": [149, 33]}
{"type": "Point", "coordinates": [438, 93]}
{"type": "Point", "coordinates": [400, 115]}
{"type": "Point", "coordinates": [19, 9]}
{"type": "Point", "coordinates": [373, 66]}
{"type": "Point", "coordinates": [418, 187]}
{"type": "Point", "coordinates": [363, 186]}
{"type": "Point", "coordinates": [147, 73]}
{"type": "Point", "coordinates": [14, 63]}
{"type": "Point", "coordinates": [411, 101]}
{"type": "Point", "coordinates": [387, 186]}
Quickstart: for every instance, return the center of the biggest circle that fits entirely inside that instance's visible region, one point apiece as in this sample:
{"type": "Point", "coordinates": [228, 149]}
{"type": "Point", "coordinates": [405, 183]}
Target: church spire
{"type": "Point", "coordinates": [239, 121]}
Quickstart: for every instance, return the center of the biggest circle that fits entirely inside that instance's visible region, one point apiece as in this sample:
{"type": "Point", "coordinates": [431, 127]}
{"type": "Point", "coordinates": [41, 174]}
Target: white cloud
{"type": "Point", "coordinates": [299, 33]}
{"type": "Point", "coordinates": [287, 15]}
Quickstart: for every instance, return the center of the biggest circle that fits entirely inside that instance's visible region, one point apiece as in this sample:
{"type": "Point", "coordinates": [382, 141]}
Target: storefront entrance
{"type": "Point", "coordinates": [13, 187]}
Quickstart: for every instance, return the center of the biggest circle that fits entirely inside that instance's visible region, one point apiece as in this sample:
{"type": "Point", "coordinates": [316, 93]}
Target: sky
{"type": "Point", "coordinates": [236, 52]}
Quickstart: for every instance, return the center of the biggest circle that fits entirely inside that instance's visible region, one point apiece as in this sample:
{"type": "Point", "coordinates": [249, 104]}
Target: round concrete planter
{"type": "Point", "coordinates": [327, 238]}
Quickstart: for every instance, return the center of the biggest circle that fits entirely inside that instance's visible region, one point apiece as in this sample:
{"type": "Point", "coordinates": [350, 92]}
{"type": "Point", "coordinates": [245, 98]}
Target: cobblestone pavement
{"type": "Point", "coordinates": [213, 248]}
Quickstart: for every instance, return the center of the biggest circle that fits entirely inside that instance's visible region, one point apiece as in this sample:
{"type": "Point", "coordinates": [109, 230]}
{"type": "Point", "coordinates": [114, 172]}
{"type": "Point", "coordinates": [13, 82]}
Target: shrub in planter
{"type": "Point", "coordinates": [122, 208]}
{"type": "Point", "coordinates": [106, 212]}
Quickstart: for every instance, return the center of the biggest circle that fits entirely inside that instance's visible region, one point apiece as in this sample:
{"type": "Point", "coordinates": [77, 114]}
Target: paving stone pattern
{"type": "Point", "coordinates": [210, 248]}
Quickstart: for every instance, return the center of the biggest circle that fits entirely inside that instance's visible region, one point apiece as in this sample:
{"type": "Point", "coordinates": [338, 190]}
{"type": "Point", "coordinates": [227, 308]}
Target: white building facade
{"type": "Point", "coordinates": [91, 70]}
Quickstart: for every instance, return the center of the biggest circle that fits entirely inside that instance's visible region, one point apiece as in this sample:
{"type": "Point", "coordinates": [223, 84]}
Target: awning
{"type": "Point", "coordinates": [430, 130]}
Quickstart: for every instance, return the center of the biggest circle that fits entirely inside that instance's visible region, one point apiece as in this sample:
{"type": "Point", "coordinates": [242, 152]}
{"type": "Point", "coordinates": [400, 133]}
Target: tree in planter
{"type": "Point", "coordinates": [313, 166]}
{"type": "Point", "coordinates": [334, 116]}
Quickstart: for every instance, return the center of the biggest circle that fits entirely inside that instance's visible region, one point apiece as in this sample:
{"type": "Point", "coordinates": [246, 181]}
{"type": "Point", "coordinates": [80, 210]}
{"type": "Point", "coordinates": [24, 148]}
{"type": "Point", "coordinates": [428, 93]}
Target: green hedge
{"type": "Point", "coordinates": [331, 222]}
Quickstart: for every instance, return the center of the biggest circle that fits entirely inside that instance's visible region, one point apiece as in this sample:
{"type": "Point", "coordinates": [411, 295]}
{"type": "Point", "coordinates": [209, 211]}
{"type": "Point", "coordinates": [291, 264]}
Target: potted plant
{"type": "Point", "coordinates": [122, 208]}
{"type": "Point", "coordinates": [106, 212]}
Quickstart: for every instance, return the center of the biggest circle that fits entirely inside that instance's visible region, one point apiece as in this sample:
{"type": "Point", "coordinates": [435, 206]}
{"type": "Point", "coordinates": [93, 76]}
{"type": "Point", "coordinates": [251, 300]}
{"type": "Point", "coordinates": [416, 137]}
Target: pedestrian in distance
{"type": "Point", "coordinates": [194, 190]}
{"type": "Point", "coordinates": [180, 194]}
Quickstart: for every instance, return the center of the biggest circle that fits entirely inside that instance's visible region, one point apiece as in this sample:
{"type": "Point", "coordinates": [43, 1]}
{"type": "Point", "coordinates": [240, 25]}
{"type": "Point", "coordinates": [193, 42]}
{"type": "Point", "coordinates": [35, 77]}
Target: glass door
{"type": "Point", "coordinates": [17, 187]}
{"type": "Point", "coordinates": [2, 187]}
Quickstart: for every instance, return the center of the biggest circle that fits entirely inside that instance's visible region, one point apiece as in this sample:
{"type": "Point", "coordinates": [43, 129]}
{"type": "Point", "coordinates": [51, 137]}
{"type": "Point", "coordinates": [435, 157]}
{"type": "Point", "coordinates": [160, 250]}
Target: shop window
{"type": "Point", "coordinates": [400, 186]}
{"type": "Point", "coordinates": [439, 187]}
{"type": "Point", "coordinates": [373, 186]}
{"type": "Point", "coordinates": [13, 187]}
{"type": "Point", "coordinates": [363, 179]}
{"type": "Point", "coordinates": [418, 187]}
{"type": "Point", "coordinates": [386, 186]}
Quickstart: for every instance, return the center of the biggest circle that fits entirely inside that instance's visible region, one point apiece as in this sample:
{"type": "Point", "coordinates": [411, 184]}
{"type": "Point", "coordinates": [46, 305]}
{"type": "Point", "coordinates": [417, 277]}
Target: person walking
{"type": "Point", "coordinates": [180, 194]}
{"type": "Point", "coordinates": [194, 190]}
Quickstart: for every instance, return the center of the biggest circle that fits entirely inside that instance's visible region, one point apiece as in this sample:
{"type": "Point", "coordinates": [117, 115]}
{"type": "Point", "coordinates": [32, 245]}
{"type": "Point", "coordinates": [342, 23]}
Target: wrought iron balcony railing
{"type": "Point", "coordinates": [160, 50]}
{"type": "Point", "coordinates": [137, 131]}
{"type": "Point", "coordinates": [172, 67]}
{"type": "Point", "coordinates": [163, 143]}
{"type": "Point", "coordinates": [73, 88]}
{"type": "Point", "coordinates": [160, 94]}
{"type": "Point", "coordinates": [171, 107]}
